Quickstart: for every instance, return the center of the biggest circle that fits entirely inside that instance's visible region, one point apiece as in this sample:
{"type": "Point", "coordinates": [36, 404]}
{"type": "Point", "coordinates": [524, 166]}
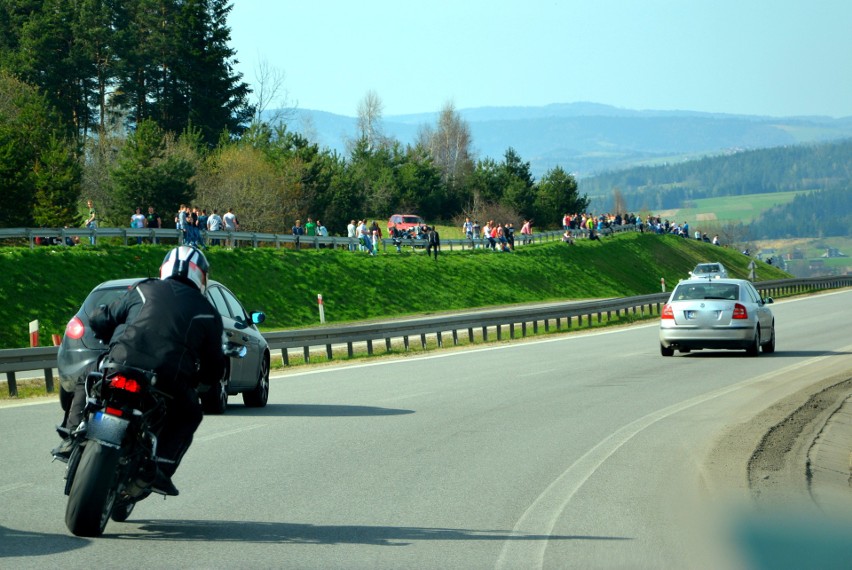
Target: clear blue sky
{"type": "Point", "coordinates": [755, 57]}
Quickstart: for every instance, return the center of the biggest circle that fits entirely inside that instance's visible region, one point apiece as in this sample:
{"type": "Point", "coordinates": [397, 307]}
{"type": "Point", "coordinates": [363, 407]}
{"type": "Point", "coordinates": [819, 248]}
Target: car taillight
{"type": "Point", "coordinates": [124, 383]}
{"type": "Point", "coordinates": [75, 329]}
{"type": "Point", "coordinates": [667, 313]}
{"type": "Point", "coordinates": [740, 311]}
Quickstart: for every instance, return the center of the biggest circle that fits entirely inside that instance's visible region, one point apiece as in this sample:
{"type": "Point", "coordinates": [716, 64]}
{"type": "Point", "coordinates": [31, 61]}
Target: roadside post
{"type": "Point", "coordinates": [33, 333]}
{"type": "Point", "coordinates": [321, 309]}
{"type": "Point", "coordinates": [663, 283]}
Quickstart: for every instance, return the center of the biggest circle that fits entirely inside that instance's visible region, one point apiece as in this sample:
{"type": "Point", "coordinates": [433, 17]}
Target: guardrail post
{"type": "Point", "coordinates": [485, 334]}
{"type": "Point", "coordinates": [349, 349]}
{"type": "Point", "coordinates": [13, 386]}
{"type": "Point", "coordinates": [285, 357]}
{"type": "Point", "coordinates": [500, 332]}
{"type": "Point", "coordinates": [48, 380]}
{"type": "Point", "coordinates": [387, 344]}
{"type": "Point", "coordinates": [307, 352]}
{"type": "Point", "coordinates": [370, 347]}
{"type": "Point", "coordinates": [405, 343]}
{"type": "Point", "coordinates": [455, 337]}
{"type": "Point", "coordinates": [470, 335]}
{"type": "Point", "coordinates": [328, 353]}
{"type": "Point", "coordinates": [440, 339]}
{"type": "Point", "coordinates": [423, 341]}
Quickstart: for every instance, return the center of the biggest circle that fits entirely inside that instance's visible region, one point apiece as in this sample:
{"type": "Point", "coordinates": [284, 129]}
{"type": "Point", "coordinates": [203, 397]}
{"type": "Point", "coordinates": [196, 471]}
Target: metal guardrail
{"type": "Point", "coordinates": [562, 316]}
{"type": "Point", "coordinates": [66, 236]}
{"type": "Point", "coordinates": [25, 359]}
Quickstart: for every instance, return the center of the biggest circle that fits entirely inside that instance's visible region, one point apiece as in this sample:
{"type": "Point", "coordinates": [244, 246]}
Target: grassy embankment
{"type": "Point", "coordinates": [49, 284]}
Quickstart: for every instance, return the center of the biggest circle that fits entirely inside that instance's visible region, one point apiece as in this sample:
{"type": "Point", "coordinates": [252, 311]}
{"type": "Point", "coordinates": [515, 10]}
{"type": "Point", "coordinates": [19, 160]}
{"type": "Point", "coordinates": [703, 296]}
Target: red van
{"type": "Point", "coordinates": [405, 221]}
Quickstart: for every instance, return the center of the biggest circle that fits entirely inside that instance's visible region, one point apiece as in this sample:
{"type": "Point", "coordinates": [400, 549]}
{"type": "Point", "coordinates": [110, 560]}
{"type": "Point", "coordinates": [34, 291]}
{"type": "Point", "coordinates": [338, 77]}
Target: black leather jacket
{"type": "Point", "coordinates": [167, 326]}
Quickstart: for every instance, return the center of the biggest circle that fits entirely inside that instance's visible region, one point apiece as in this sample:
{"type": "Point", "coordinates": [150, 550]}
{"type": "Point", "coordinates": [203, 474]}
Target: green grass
{"type": "Point", "coordinates": [729, 208]}
{"type": "Point", "coordinates": [49, 284]}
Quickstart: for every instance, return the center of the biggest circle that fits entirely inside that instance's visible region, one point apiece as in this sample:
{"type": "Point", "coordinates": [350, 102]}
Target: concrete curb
{"type": "Point", "coordinates": [830, 461]}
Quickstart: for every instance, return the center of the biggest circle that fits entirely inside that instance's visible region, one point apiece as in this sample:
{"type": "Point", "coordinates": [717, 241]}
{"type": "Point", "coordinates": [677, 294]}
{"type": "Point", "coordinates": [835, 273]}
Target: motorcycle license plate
{"type": "Point", "coordinates": [106, 428]}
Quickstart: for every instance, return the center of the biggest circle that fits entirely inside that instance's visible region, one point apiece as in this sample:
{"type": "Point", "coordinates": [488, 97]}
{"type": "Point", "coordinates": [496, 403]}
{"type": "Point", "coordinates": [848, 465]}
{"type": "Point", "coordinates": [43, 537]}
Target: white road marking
{"type": "Point", "coordinates": [13, 487]}
{"type": "Point", "coordinates": [227, 433]}
{"type": "Point", "coordinates": [541, 516]}
{"type": "Point", "coordinates": [537, 373]}
{"type": "Point", "coordinates": [404, 397]}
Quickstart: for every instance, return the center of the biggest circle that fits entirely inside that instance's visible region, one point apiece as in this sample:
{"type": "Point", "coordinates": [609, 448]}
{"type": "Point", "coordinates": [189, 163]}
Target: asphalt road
{"type": "Point", "coordinates": [579, 451]}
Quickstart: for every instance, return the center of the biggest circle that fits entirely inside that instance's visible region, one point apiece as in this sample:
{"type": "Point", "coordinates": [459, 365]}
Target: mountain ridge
{"type": "Point", "coordinates": [587, 138]}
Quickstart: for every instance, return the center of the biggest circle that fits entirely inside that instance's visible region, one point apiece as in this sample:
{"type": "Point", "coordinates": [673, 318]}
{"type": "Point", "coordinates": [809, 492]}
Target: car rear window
{"type": "Point", "coordinates": [102, 297]}
{"type": "Point", "coordinates": [707, 268]}
{"type": "Point", "coordinates": [412, 219]}
{"type": "Point", "coordinates": [694, 291]}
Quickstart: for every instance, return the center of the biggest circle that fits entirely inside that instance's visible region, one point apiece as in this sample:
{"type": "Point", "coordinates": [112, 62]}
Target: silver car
{"type": "Point", "coordinates": [714, 270]}
{"type": "Point", "coordinates": [716, 313]}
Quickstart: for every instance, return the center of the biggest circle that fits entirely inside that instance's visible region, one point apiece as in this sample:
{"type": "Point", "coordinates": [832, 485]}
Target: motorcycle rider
{"type": "Point", "coordinates": [167, 326]}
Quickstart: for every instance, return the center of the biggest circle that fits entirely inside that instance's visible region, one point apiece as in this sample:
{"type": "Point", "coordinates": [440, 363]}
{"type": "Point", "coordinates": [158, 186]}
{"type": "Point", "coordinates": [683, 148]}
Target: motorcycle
{"type": "Point", "coordinates": [113, 460]}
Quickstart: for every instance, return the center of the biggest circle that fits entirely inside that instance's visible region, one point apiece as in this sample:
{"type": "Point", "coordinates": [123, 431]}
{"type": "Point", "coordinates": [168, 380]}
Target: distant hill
{"type": "Point", "coordinates": [792, 168]}
{"type": "Point", "coordinates": [588, 138]}
{"type": "Point", "coordinates": [805, 190]}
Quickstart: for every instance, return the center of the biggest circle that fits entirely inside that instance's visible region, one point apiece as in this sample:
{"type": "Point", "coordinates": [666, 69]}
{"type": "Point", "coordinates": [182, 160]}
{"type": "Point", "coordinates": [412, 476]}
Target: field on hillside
{"type": "Point", "coordinates": [727, 209]}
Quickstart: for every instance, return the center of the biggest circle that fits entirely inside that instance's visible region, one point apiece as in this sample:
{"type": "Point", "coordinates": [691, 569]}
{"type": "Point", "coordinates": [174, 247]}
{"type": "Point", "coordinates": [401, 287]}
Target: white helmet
{"type": "Point", "coordinates": [188, 263]}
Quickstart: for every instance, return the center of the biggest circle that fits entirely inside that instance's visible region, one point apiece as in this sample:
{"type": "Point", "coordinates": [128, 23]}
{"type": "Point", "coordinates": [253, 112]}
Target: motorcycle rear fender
{"type": "Point", "coordinates": [106, 429]}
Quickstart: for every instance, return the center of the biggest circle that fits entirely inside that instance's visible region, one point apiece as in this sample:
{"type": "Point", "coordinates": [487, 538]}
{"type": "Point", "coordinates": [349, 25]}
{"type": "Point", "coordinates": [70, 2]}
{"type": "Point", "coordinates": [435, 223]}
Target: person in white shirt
{"type": "Point", "coordinates": [138, 221]}
{"type": "Point", "coordinates": [232, 224]}
{"type": "Point", "coordinates": [351, 232]}
{"type": "Point", "coordinates": [214, 224]}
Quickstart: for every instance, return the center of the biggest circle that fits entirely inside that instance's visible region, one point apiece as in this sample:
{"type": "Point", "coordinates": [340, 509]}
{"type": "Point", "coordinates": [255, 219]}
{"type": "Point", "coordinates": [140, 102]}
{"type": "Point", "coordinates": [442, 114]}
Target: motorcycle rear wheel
{"type": "Point", "coordinates": [93, 490]}
{"type": "Point", "coordinates": [120, 513]}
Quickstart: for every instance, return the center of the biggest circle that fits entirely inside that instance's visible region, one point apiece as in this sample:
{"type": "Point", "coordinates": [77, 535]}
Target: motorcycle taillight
{"type": "Point", "coordinates": [114, 412]}
{"type": "Point", "coordinates": [122, 382]}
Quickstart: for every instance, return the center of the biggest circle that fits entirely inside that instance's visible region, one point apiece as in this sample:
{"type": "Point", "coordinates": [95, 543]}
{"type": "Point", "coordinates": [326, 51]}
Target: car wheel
{"type": "Point", "coordinates": [754, 348]}
{"type": "Point", "coordinates": [769, 347]}
{"type": "Point", "coordinates": [257, 397]}
{"type": "Point", "coordinates": [215, 400]}
{"type": "Point", "coordinates": [666, 350]}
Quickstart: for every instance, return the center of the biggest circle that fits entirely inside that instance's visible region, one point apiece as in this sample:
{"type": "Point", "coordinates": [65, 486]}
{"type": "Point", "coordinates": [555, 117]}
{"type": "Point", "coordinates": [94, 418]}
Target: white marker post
{"type": "Point", "coordinates": [663, 283]}
{"type": "Point", "coordinates": [321, 309]}
{"type": "Point", "coordinates": [33, 333]}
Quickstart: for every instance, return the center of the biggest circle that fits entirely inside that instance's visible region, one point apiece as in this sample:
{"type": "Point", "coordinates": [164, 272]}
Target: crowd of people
{"type": "Point", "coordinates": [193, 222]}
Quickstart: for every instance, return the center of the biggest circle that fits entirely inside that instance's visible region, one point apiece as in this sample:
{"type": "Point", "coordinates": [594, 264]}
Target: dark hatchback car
{"type": "Point", "coordinates": [79, 350]}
